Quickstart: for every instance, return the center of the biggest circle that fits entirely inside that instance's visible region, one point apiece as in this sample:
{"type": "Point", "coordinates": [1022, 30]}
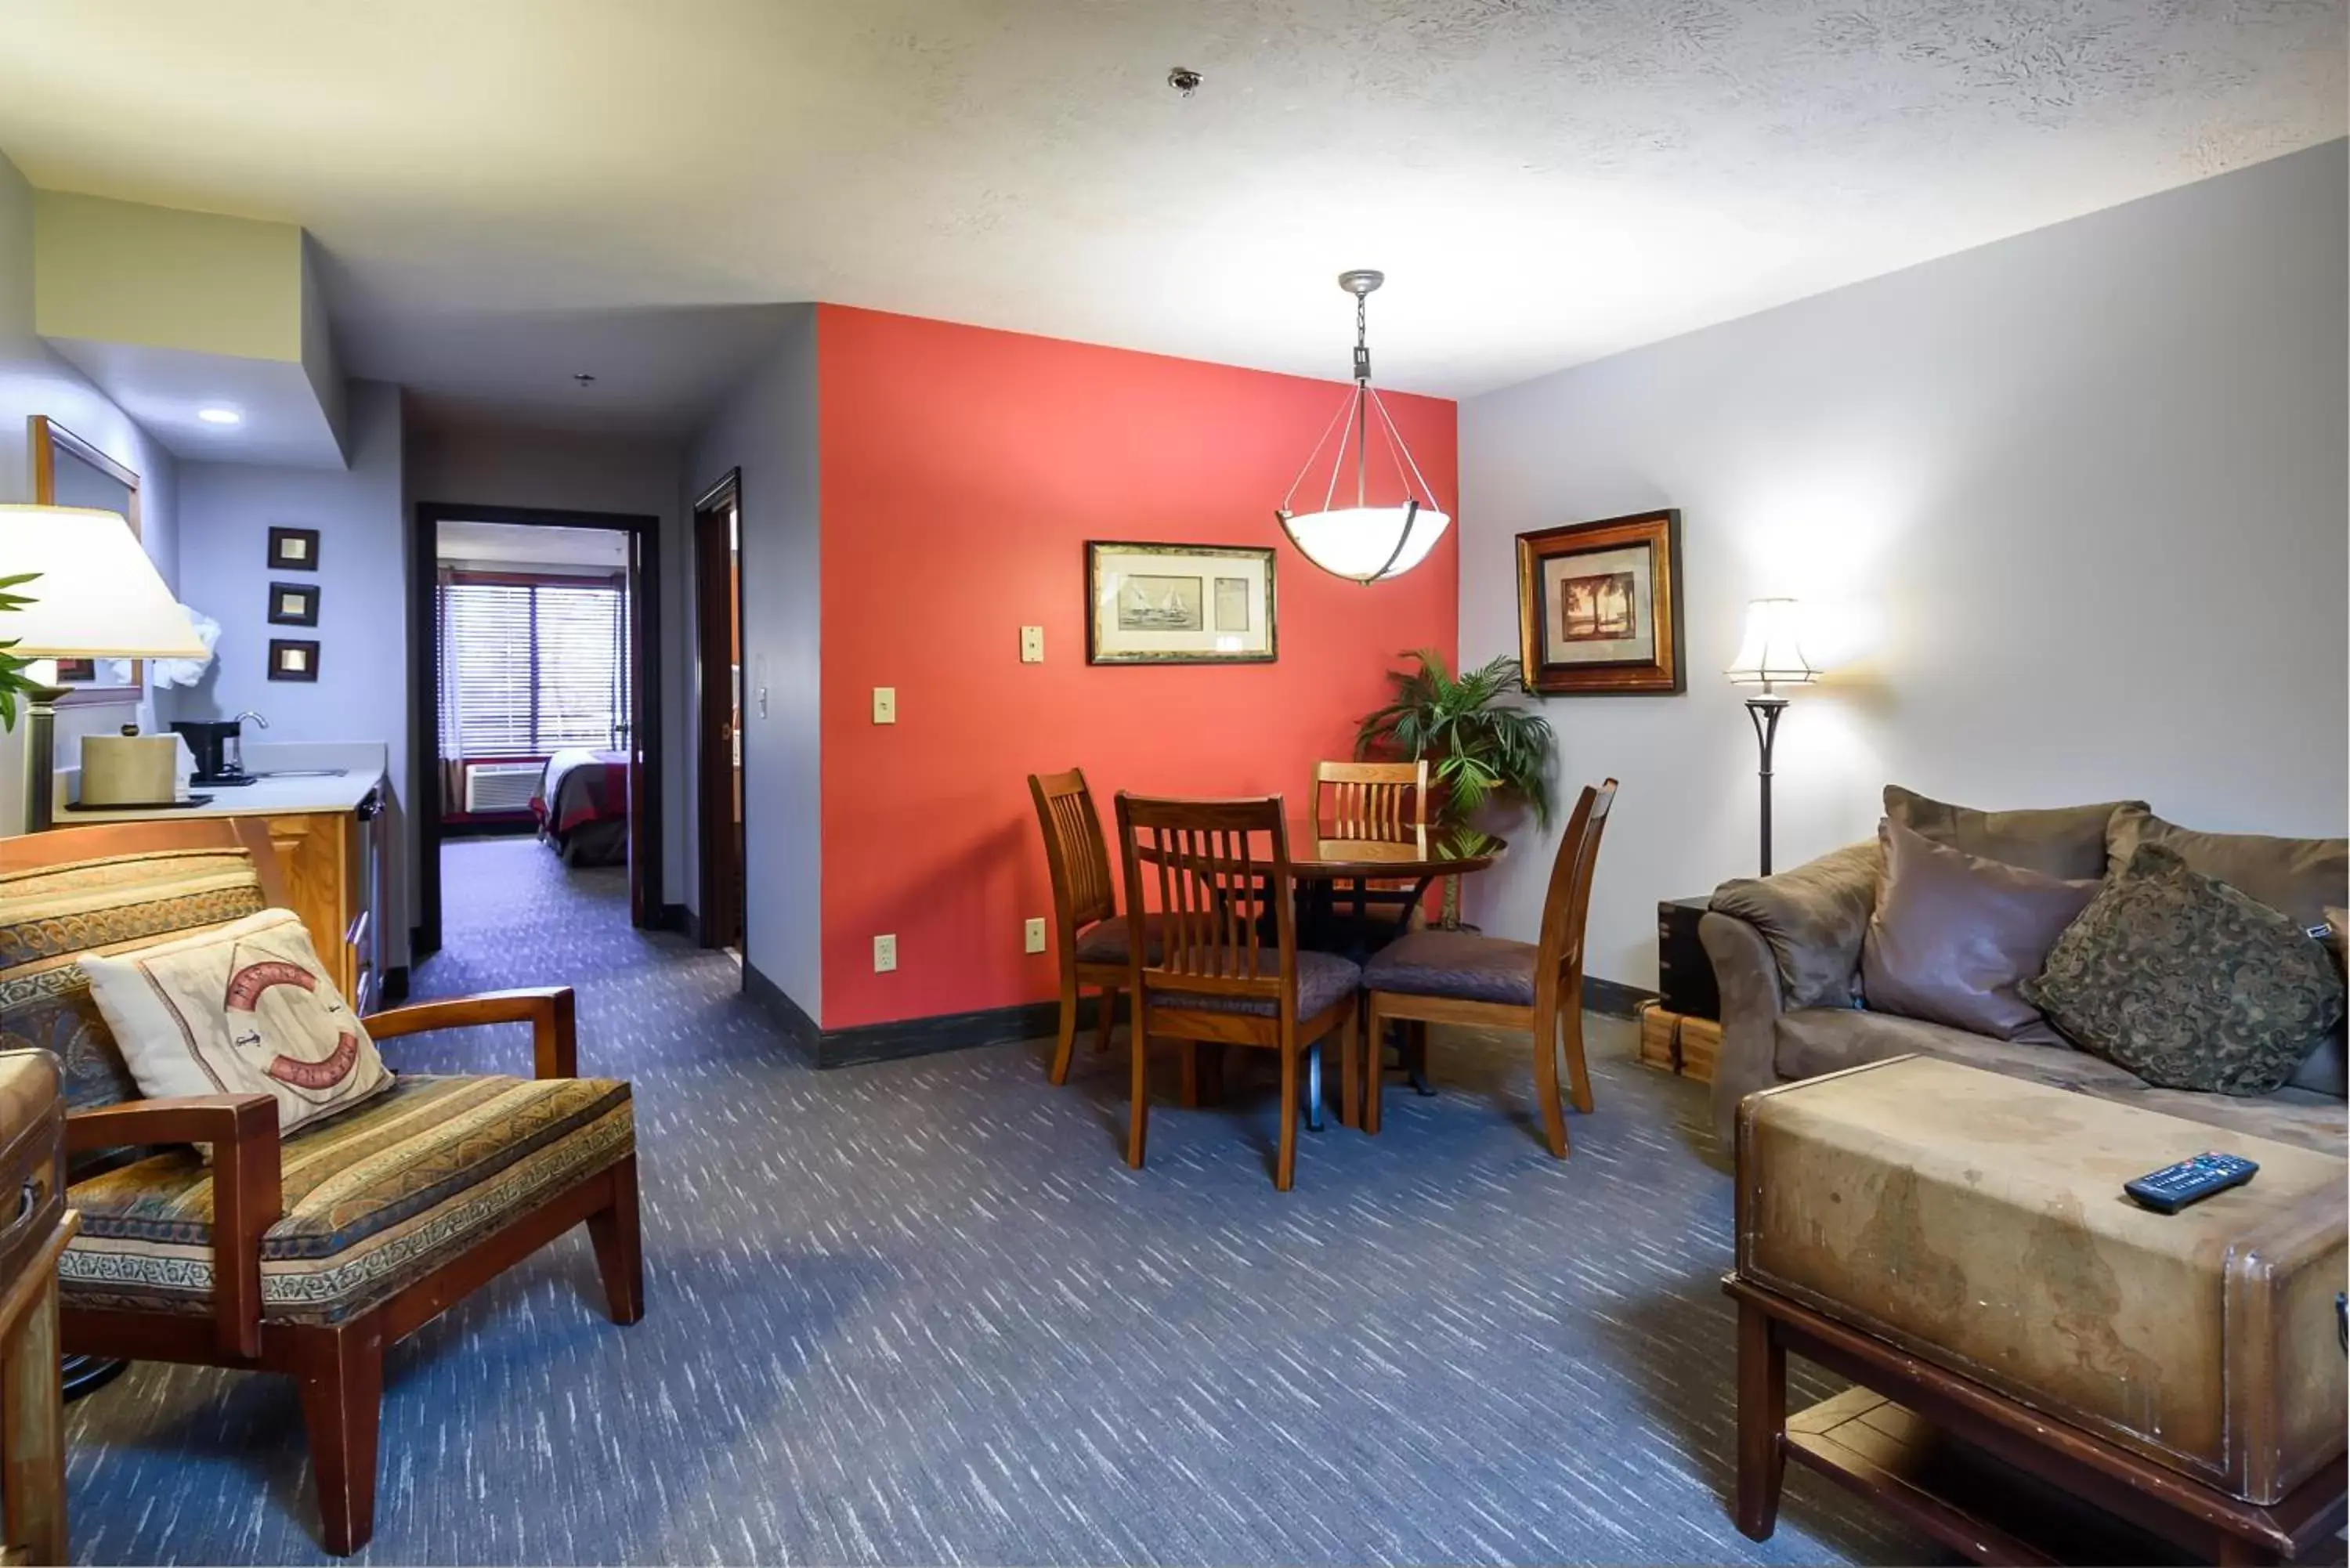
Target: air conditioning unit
{"type": "Point", "coordinates": [501, 786]}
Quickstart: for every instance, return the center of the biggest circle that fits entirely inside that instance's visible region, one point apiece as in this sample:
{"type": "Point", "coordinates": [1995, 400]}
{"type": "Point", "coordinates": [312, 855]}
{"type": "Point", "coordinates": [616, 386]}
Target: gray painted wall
{"type": "Point", "coordinates": [491, 464]}
{"type": "Point", "coordinates": [768, 429]}
{"type": "Point", "coordinates": [361, 693]}
{"type": "Point", "coordinates": [2069, 510]}
{"type": "Point", "coordinates": [36, 380]}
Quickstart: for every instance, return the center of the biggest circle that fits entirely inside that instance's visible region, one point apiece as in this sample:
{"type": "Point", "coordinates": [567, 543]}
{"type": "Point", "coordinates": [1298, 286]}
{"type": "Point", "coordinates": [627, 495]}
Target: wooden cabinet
{"type": "Point", "coordinates": [332, 861]}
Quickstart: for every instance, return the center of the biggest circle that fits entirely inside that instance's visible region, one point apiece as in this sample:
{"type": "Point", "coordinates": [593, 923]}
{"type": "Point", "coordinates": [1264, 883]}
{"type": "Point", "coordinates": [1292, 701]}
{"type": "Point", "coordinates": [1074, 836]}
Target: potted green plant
{"type": "Point", "coordinates": [13, 678]}
{"type": "Point", "coordinates": [1481, 750]}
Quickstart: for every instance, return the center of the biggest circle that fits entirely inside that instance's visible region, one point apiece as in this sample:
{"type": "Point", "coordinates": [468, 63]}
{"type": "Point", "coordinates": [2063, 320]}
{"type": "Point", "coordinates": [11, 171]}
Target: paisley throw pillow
{"type": "Point", "coordinates": [2187, 981]}
{"type": "Point", "coordinates": [241, 1009]}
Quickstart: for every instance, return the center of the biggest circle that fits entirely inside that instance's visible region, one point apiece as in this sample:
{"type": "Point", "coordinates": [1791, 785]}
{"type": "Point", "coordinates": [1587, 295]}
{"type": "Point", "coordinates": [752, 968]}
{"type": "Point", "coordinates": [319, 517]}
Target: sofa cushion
{"type": "Point", "coordinates": [51, 915]}
{"type": "Point", "coordinates": [376, 1197]}
{"type": "Point", "coordinates": [1105, 941]}
{"type": "Point", "coordinates": [2067, 841]}
{"type": "Point", "coordinates": [1461, 964]}
{"type": "Point", "coordinates": [2302, 877]}
{"type": "Point", "coordinates": [1814, 917]}
{"type": "Point", "coordinates": [1323, 979]}
{"type": "Point", "coordinates": [242, 1009]}
{"type": "Point", "coordinates": [1953, 933]}
{"type": "Point", "coordinates": [2188, 982]}
{"type": "Point", "coordinates": [1827, 1040]}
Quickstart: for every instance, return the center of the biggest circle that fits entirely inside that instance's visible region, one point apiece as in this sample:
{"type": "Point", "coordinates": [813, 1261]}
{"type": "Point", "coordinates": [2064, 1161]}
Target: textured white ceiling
{"type": "Point", "coordinates": [1542, 182]}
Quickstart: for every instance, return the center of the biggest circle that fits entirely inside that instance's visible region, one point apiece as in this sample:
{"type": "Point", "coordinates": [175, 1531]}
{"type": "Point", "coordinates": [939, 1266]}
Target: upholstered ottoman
{"type": "Point", "coordinates": [1959, 1240]}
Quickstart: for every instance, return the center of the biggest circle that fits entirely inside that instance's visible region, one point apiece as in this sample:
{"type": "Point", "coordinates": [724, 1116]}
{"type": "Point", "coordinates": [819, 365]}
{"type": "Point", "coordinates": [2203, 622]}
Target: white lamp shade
{"type": "Point", "coordinates": [1771, 654]}
{"type": "Point", "coordinates": [1360, 541]}
{"type": "Point", "coordinates": [96, 594]}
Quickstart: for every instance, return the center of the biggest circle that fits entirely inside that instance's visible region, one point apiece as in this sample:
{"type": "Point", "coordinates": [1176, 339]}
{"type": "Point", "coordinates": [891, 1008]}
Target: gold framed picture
{"type": "Point", "coordinates": [1180, 604]}
{"type": "Point", "coordinates": [1599, 606]}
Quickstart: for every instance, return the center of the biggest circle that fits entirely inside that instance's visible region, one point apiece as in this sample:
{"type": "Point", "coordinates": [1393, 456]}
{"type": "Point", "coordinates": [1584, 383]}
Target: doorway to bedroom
{"type": "Point", "coordinates": [537, 684]}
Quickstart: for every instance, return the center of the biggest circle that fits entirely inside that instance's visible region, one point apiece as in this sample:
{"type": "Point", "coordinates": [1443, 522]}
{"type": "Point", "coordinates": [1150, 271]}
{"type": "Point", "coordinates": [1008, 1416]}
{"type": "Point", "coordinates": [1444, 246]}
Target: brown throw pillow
{"type": "Point", "coordinates": [2188, 982]}
{"type": "Point", "coordinates": [1954, 933]}
{"type": "Point", "coordinates": [2064, 841]}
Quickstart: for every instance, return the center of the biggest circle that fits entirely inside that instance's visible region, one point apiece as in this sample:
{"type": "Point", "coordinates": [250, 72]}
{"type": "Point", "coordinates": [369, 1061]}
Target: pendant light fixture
{"type": "Point", "coordinates": [1364, 543]}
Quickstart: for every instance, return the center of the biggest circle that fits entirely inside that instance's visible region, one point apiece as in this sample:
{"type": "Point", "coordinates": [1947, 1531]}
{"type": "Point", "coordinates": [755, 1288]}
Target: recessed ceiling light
{"type": "Point", "coordinates": [219, 416]}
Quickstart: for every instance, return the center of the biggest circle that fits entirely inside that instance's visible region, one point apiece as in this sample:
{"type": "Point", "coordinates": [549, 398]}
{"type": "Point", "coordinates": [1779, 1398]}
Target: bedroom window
{"type": "Point", "coordinates": [531, 666]}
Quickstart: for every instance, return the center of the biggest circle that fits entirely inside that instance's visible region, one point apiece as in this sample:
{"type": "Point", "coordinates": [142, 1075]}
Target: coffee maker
{"type": "Point", "coordinates": [218, 746]}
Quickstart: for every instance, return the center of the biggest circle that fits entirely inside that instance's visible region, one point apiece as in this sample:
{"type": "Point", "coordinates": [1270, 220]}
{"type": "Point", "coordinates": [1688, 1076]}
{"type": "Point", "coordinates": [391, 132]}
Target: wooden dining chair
{"type": "Point", "coordinates": [1460, 977]}
{"type": "Point", "coordinates": [1221, 873]}
{"type": "Point", "coordinates": [1370, 800]}
{"type": "Point", "coordinates": [1087, 933]}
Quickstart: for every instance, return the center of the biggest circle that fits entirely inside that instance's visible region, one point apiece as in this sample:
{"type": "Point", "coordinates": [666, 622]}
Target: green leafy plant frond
{"type": "Point", "coordinates": [1480, 749]}
{"type": "Point", "coordinates": [13, 678]}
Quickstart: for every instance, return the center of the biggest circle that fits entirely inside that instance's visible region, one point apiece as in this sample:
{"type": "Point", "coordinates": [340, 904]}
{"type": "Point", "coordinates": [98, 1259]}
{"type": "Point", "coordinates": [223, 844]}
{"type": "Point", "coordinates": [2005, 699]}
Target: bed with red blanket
{"type": "Point", "coordinates": [582, 806]}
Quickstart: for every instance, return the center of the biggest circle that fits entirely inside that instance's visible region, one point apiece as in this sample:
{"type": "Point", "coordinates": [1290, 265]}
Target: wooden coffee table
{"type": "Point", "coordinates": [1982, 1474]}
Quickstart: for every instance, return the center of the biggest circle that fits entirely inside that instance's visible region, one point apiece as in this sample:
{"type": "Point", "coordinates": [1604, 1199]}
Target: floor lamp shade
{"type": "Point", "coordinates": [94, 595]}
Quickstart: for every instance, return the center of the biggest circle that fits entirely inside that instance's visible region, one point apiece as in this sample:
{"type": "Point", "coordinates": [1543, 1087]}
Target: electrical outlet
{"type": "Point", "coordinates": [885, 704]}
{"type": "Point", "coordinates": [763, 701]}
{"type": "Point", "coordinates": [885, 954]}
{"type": "Point", "coordinates": [1031, 645]}
{"type": "Point", "coordinates": [1033, 934]}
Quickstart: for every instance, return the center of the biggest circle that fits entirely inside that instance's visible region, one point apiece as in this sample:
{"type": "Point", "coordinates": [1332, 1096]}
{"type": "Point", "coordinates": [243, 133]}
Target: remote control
{"type": "Point", "coordinates": [2174, 1186]}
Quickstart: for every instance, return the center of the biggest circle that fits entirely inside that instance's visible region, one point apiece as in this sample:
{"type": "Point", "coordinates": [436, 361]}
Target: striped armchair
{"type": "Point", "coordinates": [311, 1253]}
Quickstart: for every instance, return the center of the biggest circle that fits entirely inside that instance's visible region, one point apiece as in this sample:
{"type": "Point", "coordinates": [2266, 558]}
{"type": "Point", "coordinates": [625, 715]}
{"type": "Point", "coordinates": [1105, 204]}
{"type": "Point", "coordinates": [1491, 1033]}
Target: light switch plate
{"type": "Point", "coordinates": [885, 704]}
{"type": "Point", "coordinates": [1032, 935]}
{"type": "Point", "coordinates": [1031, 648]}
{"type": "Point", "coordinates": [885, 954]}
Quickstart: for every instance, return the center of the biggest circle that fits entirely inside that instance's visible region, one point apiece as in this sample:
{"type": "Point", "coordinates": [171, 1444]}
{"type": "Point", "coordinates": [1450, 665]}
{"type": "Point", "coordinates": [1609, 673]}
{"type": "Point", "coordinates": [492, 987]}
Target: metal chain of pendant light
{"type": "Point", "coordinates": [1363, 542]}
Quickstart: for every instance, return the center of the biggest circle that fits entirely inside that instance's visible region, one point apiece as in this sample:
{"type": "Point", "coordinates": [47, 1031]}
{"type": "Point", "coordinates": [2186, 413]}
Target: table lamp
{"type": "Point", "coordinates": [96, 596]}
{"type": "Point", "coordinates": [1770, 656]}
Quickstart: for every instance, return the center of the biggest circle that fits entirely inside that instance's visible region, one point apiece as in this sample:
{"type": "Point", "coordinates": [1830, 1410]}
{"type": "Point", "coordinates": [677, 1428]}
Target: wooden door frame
{"type": "Point", "coordinates": [716, 865]}
{"type": "Point", "coordinates": [645, 908]}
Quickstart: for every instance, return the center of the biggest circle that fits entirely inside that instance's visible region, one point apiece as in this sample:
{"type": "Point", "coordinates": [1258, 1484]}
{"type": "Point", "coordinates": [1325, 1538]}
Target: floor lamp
{"type": "Point", "coordinates": [93, 593]}
{"type": "Point", "coordinates": [1769, 656]}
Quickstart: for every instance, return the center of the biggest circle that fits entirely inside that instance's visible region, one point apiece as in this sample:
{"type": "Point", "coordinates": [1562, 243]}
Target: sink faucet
{"type": "Point", "coordinates": [257, 718]}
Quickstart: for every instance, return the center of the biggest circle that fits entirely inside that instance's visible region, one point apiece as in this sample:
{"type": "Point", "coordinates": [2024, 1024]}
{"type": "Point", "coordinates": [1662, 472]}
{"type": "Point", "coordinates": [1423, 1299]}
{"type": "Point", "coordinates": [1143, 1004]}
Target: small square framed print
{"type": "Point", "coordinates": [294, 550]}
{"type": "Point", "coordinates": [293, 660]}
{"type": "Point", "coordinates": [293, 604]}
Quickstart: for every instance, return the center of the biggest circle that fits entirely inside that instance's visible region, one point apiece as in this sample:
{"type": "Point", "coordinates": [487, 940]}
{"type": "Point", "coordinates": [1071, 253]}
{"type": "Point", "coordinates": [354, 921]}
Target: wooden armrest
{"type": "Point", "coordinates": [552, 1012]}
{"type": "Point", "coordinates": [248, 1195]}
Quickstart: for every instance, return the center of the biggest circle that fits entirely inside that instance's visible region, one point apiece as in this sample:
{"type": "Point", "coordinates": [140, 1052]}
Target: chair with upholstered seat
{"type": "Point", "coordinates": [1221, 871]}
{"type": "Point", "coordinates": [312, 1252]}
{"type": "Point", "coordinates": [1460, 977]}
{"type": "Point", "coordinates": [1089, 936]}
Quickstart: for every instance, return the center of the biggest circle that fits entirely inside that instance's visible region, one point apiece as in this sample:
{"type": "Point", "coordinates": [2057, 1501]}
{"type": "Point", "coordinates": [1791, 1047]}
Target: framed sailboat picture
{"type": "Point", "coordinates": [1178, 603]}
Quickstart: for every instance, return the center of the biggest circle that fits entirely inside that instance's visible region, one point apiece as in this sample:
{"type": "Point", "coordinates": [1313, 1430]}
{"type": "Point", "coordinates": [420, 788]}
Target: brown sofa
{"type": "Point", "coordinates": [1786, 951]}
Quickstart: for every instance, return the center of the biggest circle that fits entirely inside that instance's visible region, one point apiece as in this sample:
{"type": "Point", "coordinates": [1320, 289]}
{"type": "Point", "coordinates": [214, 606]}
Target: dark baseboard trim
{"type": "Point", "coordinates": [1613, 999]}
{"type": "Point", "coordinates": [902, 1038]}
{"type": "Point", "coordinates": [770, 998]}
{"type": "Point", "coordinates": [395, 984]}
{"type": "Point", "coordinates": [681, 919]}
{"type": "Point", "coordinates": [948, 1032]}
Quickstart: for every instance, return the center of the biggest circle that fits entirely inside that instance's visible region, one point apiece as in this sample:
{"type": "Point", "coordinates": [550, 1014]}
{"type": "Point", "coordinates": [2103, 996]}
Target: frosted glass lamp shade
{"type": "Point", "coordinates": [1367, 544]}
{"type": "Point", "coordinates": [97, 596]}
{"type": "Point", "coordinates": [1771, 654]}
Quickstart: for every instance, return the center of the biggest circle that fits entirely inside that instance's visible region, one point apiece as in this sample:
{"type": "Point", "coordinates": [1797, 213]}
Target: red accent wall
{"type": "Point", "coordinates": [961, 471]}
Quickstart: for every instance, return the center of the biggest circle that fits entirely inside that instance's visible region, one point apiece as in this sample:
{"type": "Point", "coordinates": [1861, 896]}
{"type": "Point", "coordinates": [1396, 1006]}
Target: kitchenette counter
{"type": "Point", "coordinates": [270, 794]}
{"type": "Point", "coordinates": [333, 823]}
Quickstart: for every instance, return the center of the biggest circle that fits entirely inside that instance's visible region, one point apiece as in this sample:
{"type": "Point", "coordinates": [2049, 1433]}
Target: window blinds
{"type": "Point", "coordinates": [534, 666]}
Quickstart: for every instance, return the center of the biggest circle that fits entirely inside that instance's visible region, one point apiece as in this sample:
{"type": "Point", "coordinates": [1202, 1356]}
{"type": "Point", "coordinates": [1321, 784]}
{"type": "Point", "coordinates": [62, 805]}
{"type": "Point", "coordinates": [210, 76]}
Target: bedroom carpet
{"type": "Point", "coordinates": [923, 1312]}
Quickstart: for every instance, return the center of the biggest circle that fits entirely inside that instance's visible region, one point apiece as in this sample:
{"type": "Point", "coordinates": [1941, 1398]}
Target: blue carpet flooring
{"type": "Point", "coordinates": [923, 1312]}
